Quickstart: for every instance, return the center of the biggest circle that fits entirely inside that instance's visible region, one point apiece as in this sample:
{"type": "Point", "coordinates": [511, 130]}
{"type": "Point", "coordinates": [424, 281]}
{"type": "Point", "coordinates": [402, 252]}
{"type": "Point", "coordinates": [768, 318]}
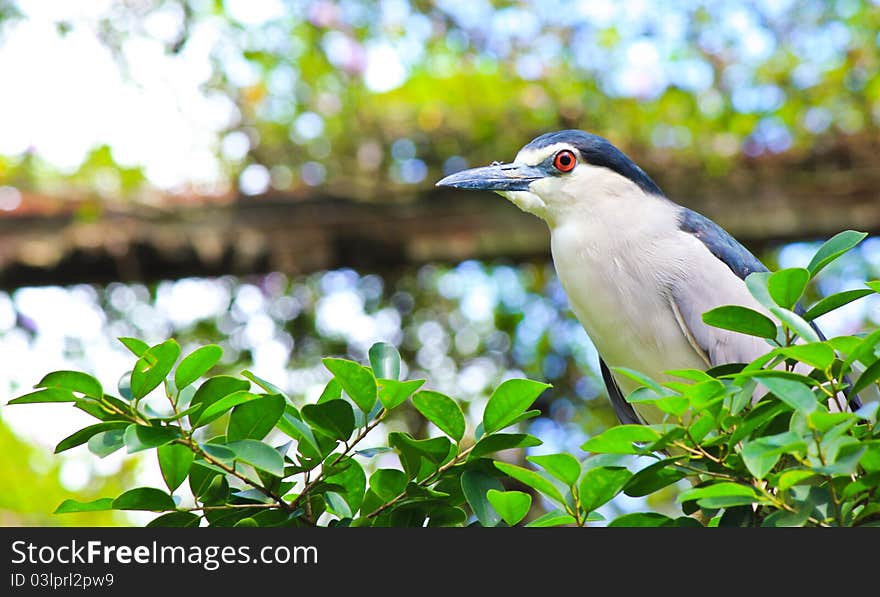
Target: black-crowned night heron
{"type": "Point", "coordinates": [639, 270]}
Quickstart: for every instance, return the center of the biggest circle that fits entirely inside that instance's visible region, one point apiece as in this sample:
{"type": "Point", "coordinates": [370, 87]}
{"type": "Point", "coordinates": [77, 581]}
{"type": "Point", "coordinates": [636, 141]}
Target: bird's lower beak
{"type": "Point", "coordinates": [500, 177]}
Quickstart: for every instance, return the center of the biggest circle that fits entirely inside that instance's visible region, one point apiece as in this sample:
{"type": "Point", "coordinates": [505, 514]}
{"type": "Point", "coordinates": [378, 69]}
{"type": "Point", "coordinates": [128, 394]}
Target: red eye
{"type": "Point", "coordinates": [564, 161]}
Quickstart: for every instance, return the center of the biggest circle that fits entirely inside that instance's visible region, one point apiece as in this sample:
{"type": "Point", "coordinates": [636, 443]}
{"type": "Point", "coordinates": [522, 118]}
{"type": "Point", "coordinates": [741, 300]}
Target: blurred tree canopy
{"type": "Point", "coordinates": [375, 99]}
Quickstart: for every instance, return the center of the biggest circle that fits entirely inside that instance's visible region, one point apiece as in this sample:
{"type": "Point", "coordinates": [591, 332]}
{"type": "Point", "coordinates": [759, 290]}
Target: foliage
{"type": "Point", "coordinates": [768, 443]}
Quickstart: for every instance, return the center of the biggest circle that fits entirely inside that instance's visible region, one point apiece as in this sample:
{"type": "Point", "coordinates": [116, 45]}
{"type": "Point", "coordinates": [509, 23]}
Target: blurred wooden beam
{"type": "Point", "coordinates": [289, 234]}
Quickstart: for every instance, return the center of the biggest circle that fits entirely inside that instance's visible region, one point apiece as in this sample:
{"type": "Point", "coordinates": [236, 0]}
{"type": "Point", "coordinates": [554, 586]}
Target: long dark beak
{"type": "Point", "coordinates": [500, 177]}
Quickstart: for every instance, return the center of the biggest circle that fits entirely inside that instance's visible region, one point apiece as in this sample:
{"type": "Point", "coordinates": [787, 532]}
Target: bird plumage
{"type": "Point", "coordinates": [639, 270]}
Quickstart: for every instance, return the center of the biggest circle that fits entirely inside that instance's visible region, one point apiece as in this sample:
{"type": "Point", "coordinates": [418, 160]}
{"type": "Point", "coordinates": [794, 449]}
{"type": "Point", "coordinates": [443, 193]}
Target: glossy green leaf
{"type": "Point", "coordinates": [761, 455]}
{"type": "Point", "coordinates": [84, 435]}
{"type": "Point", "coordinates": [835, 301]}
{"type": "Point", "coordinates": [141, 437]}
{"type": "Point", "coordinates": [223, 405]}
{"type": "Point", "coordinates": [413, 452]}
{"type": "Point", "coordinates": [795, 323]}
{"type": "Point", "coordinates": [137, 347]}
{"type": "Point", "coordinates": [388, 483]}
{"type": "Point", "coordinates": [554, 518]}
{"type": "Point", "coordinates": [834, 248]}
{"type": "Point", "coordinates": [334, 418]}
{"type": "Point", "coordinates": [357, 381]}
{"type": "Point", "coordinates": [599, 485]}
{"type": "Point", "coordinates": [268, 387]}
{"type": "Point", "coordinates": [72, 381]}
{"type": "Point", "coordinates": [721, 495]}
{"type": "Point", "coordinates": [741, 319]}
{"type": "Point", "coordinates": [255, 419]}
{"type": "Point", "coordinates": [174, 463]}
{"type": "Point", "coordinates": [475, 484]}
{"type": "Point", "coordinates": [152, 367]}
{"type": "Point", "coordinates": [385, 361]}
{"type": "Point", "coordinates": [564, 467]}
{"type": "Point", "coordinates": [353, 481]}
{"type": "Point", "coordinates": [144, 498]}
{"type": "Point", "coordinates": [177, 520]}
{"type": "Point", "coordinates": [211, 391]}
{"type": "Point", "coordinates": [641, 519]}
{"type": "Point", "coordinates": [502, 441]}
{"type": "Point", "coordinates": [868, 377]}
{"type": "Point", "coordinates": [99, 505]}
{"type": "Point", "coordinates": [442, 411]}
{"type": "Point", "coordinates": [52, 395]}
{"type": "Point", "coordinates": [532, 479]}
{"type": "Point", "coordinates": [793, 393]}
{"type": "Point", "coordinates": [196, 364]}
{"type": "Point", "coordinates": [621, 439]}
{"type": "Point", "coordinates": [510, 400]}
{"type": "Point", "coordinates": [512, 506]}
{"type": "Point", "coordinates": [818, 355]}
{"type": "Point", "coordinates": [106, 442]}
{"type": "Point", "coordinates": [393, 393]}
{"type": "Point", "coordinates": [787, 285]}
{"type": "Point", "coordinates": [790, 478]}
{"type": "Point", "coordinates": [259, 455]}
{"type": "Point", "coordinates": [654, 477]}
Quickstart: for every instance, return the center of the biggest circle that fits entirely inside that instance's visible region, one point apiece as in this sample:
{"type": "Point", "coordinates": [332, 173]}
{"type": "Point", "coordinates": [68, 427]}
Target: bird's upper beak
{"type": "Point", "coordinates": [499, 177]}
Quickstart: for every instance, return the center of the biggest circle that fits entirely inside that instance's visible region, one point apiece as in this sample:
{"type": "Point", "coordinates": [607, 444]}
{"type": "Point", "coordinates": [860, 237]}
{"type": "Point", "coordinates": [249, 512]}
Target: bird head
{"type": "Point", "coordinates": [558, 172]}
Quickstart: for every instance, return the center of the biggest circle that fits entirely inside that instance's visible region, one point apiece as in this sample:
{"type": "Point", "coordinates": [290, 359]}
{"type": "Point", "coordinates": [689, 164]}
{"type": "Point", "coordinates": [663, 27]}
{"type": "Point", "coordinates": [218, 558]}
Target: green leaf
{"type": "Point", "coordinates": [175, 520]}
{"type": "Point", "coordinates": [414, 452]}
{"type": "Point", "coordinates": [385, 360]}
{"type": "Point", "coordinates": [221, 406]}
{"type": "Point", "coordinates": [786, 286]}
{"type": "Point", "coordinates": [762, 454]}
{"type": "Point", "coordinates": [642, 379]}
{"type": "Point", "coordinates": [393, 393]}
{"type": "Point", "coordinates": [259, 455]}
{"type": "Point", "coordinates": [52, 395]}
{"type": "Point", "coordinates": [621, 439]}
{"type": "Point", "coordinates": [83, 435]}
{"type": "Point", "coordinates": [152, 367]}
{"type": "Point", "coordinates": [211, 391]}
{"type": "Point", "coordinates": [793, 393]}
{"type": "Point", "coordinates": [820, 355]}
{"type": "Point", "coordinates": [564, 467]}
{"type": "Point", "coordinates": [174, 463]}
{"type": "Point", "coordinates": [512, 506]}
{"type": "Point", "coordinates": [137, 347]}
{"type": "Point", "coordinates": [790, 478]}
{"type": "Point", "coordinates": [641, 519]}
{"type": "Point", "coordinates": [268, 387]}
{"type": "Point", "coordinates": [72, 381]}
{"type": "Point", "coordinates": [475, 484]}
{"type": "Point", "coordinates": [106, 442]}
{"type": "Point", "coordinates": [721, 495]}
{"type": "Point", "coordinates": [388, 483]}
{"type": "Point", "coordinates": [509, 400]}
{"type": "Point", "coordinates": [757, 283]}
{"type": "Point", "coordinates": [532, 479]}
{"type": "Point", "coordinates": [868, 377]}
{"type": "Point", "coordinates": [99, 505]}
{"type": "Point", "coordinates": [334, 418]}
{"type": "Point", "coordinates": [300, 431]}
{"type": "Point", "coordinates": [834, 248]}
{"type": "Point", "coordinates": [599, 485]}
{"type": "Point", "coordinates": [554, 518]}
{"type": "Point", "coordinates": [196, 364]}
{"type": "Point", "coordinates": [741, 319]}
{"type": "Point", "coordinates": [654, 477]}
{"type": "Point", "coordinates": [254, 420]}
{"type": "Point", "coordinates": [835, 301]}
{"type": "Point", "coordinates": [795, 323]}
{"type": "Point", "coordinates": [357, 381]}
{"type": "Point", "coordinates": [502, 441]}
{"type": "Point", "coordinates": [144, 498]}
{"type": "Point", "coordinates": [442, 411]}
{"type": "Point", "coordinates": [351, 479]}
{"type": "Point", "coordinates": [140, 437]}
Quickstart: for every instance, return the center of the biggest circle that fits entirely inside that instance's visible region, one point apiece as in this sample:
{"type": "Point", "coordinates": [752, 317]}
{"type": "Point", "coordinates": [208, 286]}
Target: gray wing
{"type": "Point", "coordinates": [739, 259]}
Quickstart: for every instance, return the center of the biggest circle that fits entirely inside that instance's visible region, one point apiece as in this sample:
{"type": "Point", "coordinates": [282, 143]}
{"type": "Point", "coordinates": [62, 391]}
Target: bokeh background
{"type": "Point", "coordinates": [259, 174]}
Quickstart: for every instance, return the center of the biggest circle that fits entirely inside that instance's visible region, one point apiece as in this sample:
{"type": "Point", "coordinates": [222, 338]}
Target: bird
{"type": "Point", "coordinates": [639, 269]}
